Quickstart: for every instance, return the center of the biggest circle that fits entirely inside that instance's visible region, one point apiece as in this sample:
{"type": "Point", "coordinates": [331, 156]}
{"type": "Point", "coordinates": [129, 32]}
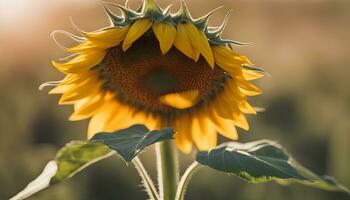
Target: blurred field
{"type": "Point", "coordinates": [304, 45]}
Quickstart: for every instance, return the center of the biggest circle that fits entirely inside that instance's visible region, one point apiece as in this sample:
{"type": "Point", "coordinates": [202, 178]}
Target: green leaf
{"type": "Point", "coordinates": [255, 162]}
{"type": "Point", "coordinates": [131, 141]}
{"type": "Point", "coordinates": [76, 156]}
{"type": "Point", "coordinates": [71, 159]}
{"type": "Point", "coordinates": [263, 161]}
{"type": "Point", "coordinates": [323, 182]}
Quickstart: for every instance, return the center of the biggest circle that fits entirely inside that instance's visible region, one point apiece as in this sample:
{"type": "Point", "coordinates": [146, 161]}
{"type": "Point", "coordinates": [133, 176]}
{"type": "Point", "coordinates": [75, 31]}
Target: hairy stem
{"type": "Point", "coordinates": [146, 180]}
{"type": "Point", "coordinates": [185, 179]}
{"type": "Point", "coordinates": [167, 167]}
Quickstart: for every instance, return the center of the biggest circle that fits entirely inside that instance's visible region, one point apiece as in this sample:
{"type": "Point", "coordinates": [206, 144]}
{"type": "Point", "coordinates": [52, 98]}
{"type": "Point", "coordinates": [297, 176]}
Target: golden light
{"type": "Point", "coordinates": [12, 10]}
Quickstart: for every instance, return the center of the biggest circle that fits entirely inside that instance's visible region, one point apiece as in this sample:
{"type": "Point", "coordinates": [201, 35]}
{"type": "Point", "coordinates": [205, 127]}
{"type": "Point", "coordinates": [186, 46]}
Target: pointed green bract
{"type": "Point", "coordinates": [128, 15]}
{"type": "Point", "coordinates": [263, 161]}
{"type": "Point", "coordinates": [131, 141]}
{"type": "Point", "coordinates": [150, 9]}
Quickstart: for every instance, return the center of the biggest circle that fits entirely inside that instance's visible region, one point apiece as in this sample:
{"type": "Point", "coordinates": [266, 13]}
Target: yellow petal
{"type": "Point", "coordinates": [78, 104]}
{"type": "Point", "coordinates": [137, 29]}
{"type": "Point", "coordinates": [225, 127]}
{"type": "Point", "coordinates": [183, 42]}
{"type": "Point", "coordinates": [97, 122]}
{"type": "Point", "coordinates": [76, 78]}
{"type": "Point", "coordinates": [199, 42]}
{"type": "Point", "coordinates": [88, 108]}
{"type": "Point", "coordinates": [233, 91]}
{"type": "Point", "coordinates": [150, 121]}
{"type": "Point", "coordinates": [121, 117]}
{"type": "Point", "coordinates": [60, 89]}
{"type": "Point", "coordinates": [81, 63]}
{"type": "Point", "coordinates": [247, 88]}
{"type": "Point", "coordinates": [227, 106]}
{"type": "Point", "coordinates": [69, 79]}
{"type": "Point", "coordinates": [245, 107]}
{"type": "Point", "coordinates": [183, 138]}
{"type": "Point", "coordinates": [79, 91]}
{"type": "Point", "coordinates": [85, 46]}
{"type": "Point", "coordinates": [109, 37]}
{"type": "Point", "coordinates": [203, 132]}
{"type": "Point", "coordinates": [240, 121]}
{"type": "Point", "coordinates": [252, 75]}
{"type": "Point", "coordinates": [165, 34]}
{"type": "Point", "coordinates": [224, 103]}
{"type": "Point", "coordinates": [71, 98]}
{"type": "Point", "coordinates": [196, 54]}
{"type": "Point", "coordinates": [228, 60]}
{"type": "Point", "coordinates": [223, 107]}
{"type": "Point", "coordinates": [228, 55]}
{"type": "Point", "coordinates": [181, 100]}
{"type": "Point", "coordinates": [245, 59]}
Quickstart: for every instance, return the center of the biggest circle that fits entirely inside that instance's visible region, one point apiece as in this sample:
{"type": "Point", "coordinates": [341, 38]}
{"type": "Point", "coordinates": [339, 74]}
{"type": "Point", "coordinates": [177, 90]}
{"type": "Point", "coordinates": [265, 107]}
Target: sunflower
{"type": "Point", "coordinates": [159, 69]}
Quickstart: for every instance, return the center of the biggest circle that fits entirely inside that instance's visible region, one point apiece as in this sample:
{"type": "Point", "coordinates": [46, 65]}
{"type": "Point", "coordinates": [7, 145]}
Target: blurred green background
{"type": "Point", "coordinates": [303, 44]}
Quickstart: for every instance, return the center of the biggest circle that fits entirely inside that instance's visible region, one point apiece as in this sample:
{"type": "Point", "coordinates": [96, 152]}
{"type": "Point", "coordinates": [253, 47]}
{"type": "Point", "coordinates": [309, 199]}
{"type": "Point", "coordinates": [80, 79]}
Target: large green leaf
{"type": "Point", "coordinates": [71, 159]}
{"type": "Point", "coordinates": [77, 155]}
{"type": "Point", "coordinates": [255, 162]}
{"type": "Point", "coordinates": [131, 141]}
{"type": "Point", "coordinates": [262, 161]}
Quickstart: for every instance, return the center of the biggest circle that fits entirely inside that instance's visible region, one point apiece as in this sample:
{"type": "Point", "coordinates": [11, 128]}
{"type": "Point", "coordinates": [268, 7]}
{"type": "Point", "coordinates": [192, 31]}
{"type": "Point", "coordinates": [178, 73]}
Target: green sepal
{"type": "Point", "coordinates": [128, 15]}
{"type": "Point", "coordinates": [183, 15]}
{"type": "Point", "coordinates": [152, 10]}
{"type": "Point", "coordinates": [113, 17]}
{"type": "Point", "coordinates": [202, 23]}
{"type": "Point", "coordinates": [217, 40]}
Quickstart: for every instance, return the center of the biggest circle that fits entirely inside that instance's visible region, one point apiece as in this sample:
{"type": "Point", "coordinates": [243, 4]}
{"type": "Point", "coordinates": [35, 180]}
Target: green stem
{"type": "Point", "coordinates": [185, 179]}
{"type": "Point", "coordinates": [167, 167]}
{"type": "Point", "coordinates": [146, 180]}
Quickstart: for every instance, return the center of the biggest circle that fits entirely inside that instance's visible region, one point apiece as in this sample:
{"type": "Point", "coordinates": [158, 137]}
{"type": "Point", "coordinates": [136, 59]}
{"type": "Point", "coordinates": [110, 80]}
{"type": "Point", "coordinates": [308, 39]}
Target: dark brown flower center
{"type": "Point", "coordinates": [142, 74]}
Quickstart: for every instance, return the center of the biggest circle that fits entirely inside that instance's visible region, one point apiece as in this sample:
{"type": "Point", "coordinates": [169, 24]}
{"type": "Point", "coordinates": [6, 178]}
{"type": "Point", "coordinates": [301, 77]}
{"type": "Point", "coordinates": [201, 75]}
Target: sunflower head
{"type": "Point", "coordinates": [160, 69]}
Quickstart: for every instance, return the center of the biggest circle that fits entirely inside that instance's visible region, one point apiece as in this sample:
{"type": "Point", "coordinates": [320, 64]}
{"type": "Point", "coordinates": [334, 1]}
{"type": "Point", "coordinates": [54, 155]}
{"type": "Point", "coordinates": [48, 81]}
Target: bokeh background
{"type": "Point", "coordinates": [303, 44]}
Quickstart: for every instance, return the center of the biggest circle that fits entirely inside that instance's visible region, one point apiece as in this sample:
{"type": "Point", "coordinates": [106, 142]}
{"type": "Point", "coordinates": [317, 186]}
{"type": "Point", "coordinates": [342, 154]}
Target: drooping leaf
{"type": "Point", "coordinates": [263, 161]}
{"type": "Point", "coordinates": [255, 162]}
{"type": "Point", "coordinates": [323, 182]}
{"type": "Point", "coordinates": [71, 159]}
{"type": "Point", "coordinates": [131, 141]}
{"type": "Point", "coordinates": [78, 155]}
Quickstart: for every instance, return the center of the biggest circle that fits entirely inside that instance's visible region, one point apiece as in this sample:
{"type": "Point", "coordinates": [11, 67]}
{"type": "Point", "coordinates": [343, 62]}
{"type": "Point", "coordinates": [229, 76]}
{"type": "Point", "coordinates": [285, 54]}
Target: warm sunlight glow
{"type": "Point", "coordinates": [12, 10]}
